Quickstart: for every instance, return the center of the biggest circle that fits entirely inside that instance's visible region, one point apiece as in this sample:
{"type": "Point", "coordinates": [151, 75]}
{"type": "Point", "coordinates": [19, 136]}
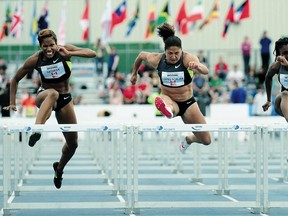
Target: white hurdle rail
{"type": "Point", "coordinates": [118, 155]}
{"type": "Point", "coordinates": [15, 165]}
{"type": "Point", "coordinates": [223, 187]}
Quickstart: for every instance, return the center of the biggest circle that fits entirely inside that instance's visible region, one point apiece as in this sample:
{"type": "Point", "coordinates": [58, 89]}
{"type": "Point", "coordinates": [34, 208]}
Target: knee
{"type": "Point", "coordinates": [53, 94]}
{"type": "Point", "coordinates": [73, 145]}
{"type": "Point", "coordinates": [284, 94]}
{"type": "Point", "coordinates": [206, 140]}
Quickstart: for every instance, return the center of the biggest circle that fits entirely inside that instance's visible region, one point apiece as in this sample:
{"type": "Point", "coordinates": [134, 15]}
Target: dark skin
{"type": "Point", "coordinates": [46, 100]}
{"type": "Point", "coordinates": [281, 100]}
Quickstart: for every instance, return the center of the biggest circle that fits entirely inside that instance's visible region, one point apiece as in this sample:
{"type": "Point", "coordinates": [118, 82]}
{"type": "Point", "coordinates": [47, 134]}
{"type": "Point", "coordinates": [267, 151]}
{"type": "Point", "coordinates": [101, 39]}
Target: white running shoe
{"type": "Point", "coordinates": [183, 146]}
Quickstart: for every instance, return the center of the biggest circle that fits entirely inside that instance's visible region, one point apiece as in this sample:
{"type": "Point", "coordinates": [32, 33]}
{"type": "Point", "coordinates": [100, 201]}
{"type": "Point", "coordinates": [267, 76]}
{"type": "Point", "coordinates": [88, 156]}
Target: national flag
{"type": "Point", "coordinates": [62, 25]}
{"type": "Point", "coordinates": [243, 11]}
{"type": "Point", "coordinates": [105, 23]}
{"type": "Point", "coordinates": [119, 15]}
{"type": "Point", "coordinates": [133, 21]}
{"type": "Point", "coordinates": [197, 12]}
{"type": "Point", "coordinates": [229, 19]}
{"type": "Point", "coordinates": [7, 23]}
{"type": "Point", "coordinates": [213, 14]}
{"type": "Point", "coordinates": [42, 21]}
{"type": "Point", "coordinates": [163, 15]}
{"type": "Point", "coordinates": [34, 25]}
{"type": "Point", "coordinates": [195, 15]}
{"type": "Point", "coordinates": [151, 22]}
{"type": "Point", "coordinates": [17, 21]}
{"type": "Point", "coordinates": [181, 16]}
{"type": "Point", "coordinates": [84, 22]}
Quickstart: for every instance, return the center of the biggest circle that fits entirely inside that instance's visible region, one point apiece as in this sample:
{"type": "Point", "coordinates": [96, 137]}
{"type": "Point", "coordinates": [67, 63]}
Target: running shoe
{"type": "Point", "coordinates": [161, 106]}
{"type": "Point", "coordinates": [34, 138]}
{"type": "Point", "coordinates": [58, 176]}
{"type": "Point", "coordinates": [183, 146]}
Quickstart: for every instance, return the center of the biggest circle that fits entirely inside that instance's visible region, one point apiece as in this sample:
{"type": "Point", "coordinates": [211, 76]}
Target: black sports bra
{"type": "Point", "coordinates": [53, 70]}
{"type": "Point", "coordinates": [173, 75]}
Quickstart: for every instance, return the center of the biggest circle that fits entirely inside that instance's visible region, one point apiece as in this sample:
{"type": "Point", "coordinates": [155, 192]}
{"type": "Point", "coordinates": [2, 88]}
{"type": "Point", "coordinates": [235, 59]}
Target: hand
{"type": "Point", "coordinates": [64, 52]}
{"type": "Point", "coordinates": [266, 106]}
{"type": "Point", "coordinates": [193, 65]}
{"type": "Point", "coordinates": [133, 78]}
{"type": "Point", "coordinates": [282, 60]}
{"type": "Point", "coordinates": [10, 107]}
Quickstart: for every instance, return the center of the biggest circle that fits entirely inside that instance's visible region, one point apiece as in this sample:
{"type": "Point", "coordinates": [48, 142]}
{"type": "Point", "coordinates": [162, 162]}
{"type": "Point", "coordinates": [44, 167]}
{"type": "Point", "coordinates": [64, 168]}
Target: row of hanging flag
{"type": "Point", "coordinates": [184, 22]}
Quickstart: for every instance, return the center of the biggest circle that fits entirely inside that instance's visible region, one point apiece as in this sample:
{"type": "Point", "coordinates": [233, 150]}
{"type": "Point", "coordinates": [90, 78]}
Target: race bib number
{"type": "Point", "coordinates": [53, 71]}
{"type": "Point", "coordinates": [284, 80]}
{"type": "Point", "coordinates": [173, 79]}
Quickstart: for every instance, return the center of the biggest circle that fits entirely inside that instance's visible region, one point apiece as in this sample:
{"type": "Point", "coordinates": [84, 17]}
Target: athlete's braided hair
{"type": "Point", "coordinates": [167, 32]}
{"type": "Point", "coordinates": [279, 44]}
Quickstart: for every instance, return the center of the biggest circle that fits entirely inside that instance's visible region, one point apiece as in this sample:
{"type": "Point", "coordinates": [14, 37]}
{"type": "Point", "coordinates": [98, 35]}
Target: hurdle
{"type": "Point", "coordinates": [222, 188]}
{"type": "Point", "coordinates": [282, 177]}
{"type": "Point", "coordinates": [117, 153]}
{"type": "Point", "coordinates": [15, 167]}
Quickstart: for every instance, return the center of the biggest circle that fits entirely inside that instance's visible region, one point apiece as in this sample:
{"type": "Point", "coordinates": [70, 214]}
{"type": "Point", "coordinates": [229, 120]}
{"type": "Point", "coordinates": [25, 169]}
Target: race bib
{"type": "Point", "coordinates": [284, 80]}
{"type": "Point", "coordinates": [53, 71]}
{"type": "Point", "coordinates": [173, 79]}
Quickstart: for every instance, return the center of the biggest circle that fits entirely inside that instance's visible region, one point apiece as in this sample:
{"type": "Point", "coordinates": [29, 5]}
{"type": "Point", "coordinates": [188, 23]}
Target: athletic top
{"type": "Point", "coordinates": [53, 70]}
{"type": "Point", "coordinates": [283, 78]}
{"type": "Point", "coordinates": [173, 75]}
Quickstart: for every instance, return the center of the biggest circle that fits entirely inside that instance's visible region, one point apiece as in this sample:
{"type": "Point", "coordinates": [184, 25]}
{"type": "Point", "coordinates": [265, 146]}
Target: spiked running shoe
{"type": "Point", "coordinates": [183, 146]}
{"type": "Point", "coordinates": [161, 106]}
{"type": "Point", "coordinates": [34, 138]}
{"type": "Point", "coordinates": [58, 176]}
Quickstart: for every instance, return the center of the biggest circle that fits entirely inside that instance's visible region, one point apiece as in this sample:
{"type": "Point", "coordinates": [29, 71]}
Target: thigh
{"type": "Point", "coordinates": [171, 103]}
{"type": "Point", "coordinates": [67, 116]}
{"type": "Point", "coordinates": [277, 103]}
{"type": "Point", "coordinates": [193, 115]}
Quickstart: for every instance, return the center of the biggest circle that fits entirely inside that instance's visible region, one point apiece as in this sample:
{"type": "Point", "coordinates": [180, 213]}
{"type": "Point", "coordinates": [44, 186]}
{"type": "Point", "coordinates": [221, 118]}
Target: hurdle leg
{"type": "Point", "coordinates": [6, 171]}
{"type": "Point", "coordinates": [265, 170]}
{"type": "Point", "coordinates": [136, 142]}
{"type": "Point", "coordinates": [121, 164]}
{"type": "Point", "coordinates": [129, 145]}
{"type": "Point", "coordinates": [219, 190]}
{"type": "Point", "coordinates": [283, 162]}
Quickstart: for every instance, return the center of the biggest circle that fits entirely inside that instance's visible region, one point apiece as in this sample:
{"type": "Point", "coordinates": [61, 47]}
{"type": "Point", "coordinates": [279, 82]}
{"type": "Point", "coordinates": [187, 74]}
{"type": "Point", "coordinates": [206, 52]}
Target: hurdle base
{"type": "Point", "coordinates": [265, 210]}
{"type": "Point", "coordinates": [129, 211]}
{"type": "Point", "coordinates": [196, 180]}
{"type": "Point", "coordinates": [222, 192]}
{"type": "Point", "coordinates": [255, 210]}
{"type": "Point", "coordinates": [5, 212]}
{"type": "Point", "coordinates": [282, 179]}
{"type": "Point", "coordinates": [252, 170]}
{"type": "Point", "coordinates": [118, 192]}
{"type": "Point", "coordinates": [178, 170]}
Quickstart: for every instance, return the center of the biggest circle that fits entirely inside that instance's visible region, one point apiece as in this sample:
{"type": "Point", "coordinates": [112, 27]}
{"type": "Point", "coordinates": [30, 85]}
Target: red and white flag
{"type": "Point", "coordinates": [62, 25]}
{"type": "Point", "coordinates": [242, 12]}
{"type": "Point", "coordinates": [17, 21]}
{"type": "Point", "coordinates": [119, 15]}
{"type": "Point", "coordinates": [84, 22]}
{"type": "Point", "coordinates": [181, 17]}
{"type": "Point", "coordinates": [106, 22]}
{"type": "Point", "coordinates": [195, 15]}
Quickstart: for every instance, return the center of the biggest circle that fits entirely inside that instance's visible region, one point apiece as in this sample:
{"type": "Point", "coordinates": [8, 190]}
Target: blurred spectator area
{"type": "Point", "coordinates": [128, 52]}
{"type": "Point", "coordinates": [93, 88]}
